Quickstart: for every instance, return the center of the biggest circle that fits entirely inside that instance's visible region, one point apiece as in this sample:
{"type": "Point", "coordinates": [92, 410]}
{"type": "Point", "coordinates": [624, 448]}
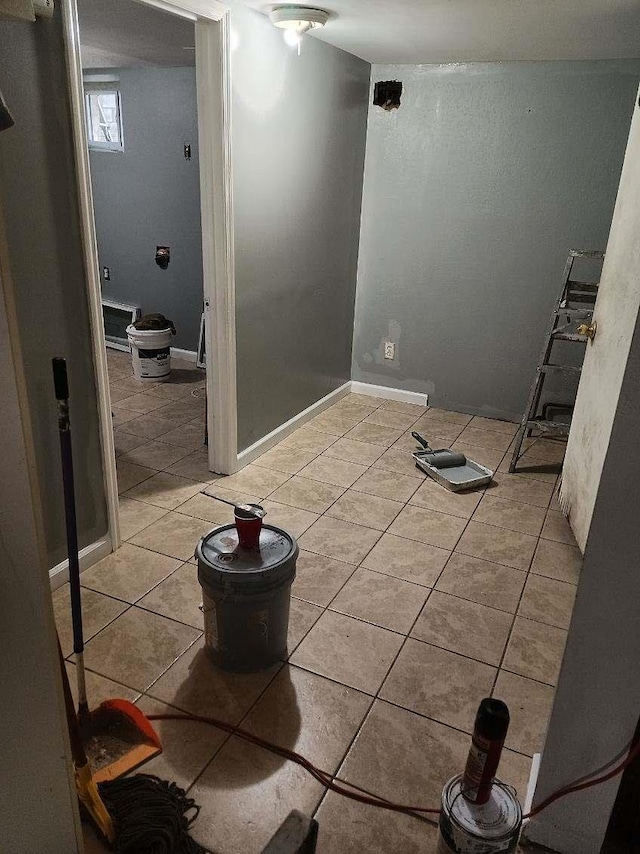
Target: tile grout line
{"type": "Point", "coordinates": [283, 664]}
{"type": "Point", "coordinates": [406, 503]}
{"type": "Point", "coordinates": [513, 622]}
{"type": "Point", "coordinates": [324, 610]}
{"type": "Point", "coordinates": [355, 567]}
{"type": "Point", "coordinates": [498, 669]}
{"type": "Point", "coordinates": [377, 697]}
{"type": "Point", "coordinates": [102, 628]}
{"type": "Point", "coordinates": [126, 610]}
{"type": "Point", "coordinates": [409, 636]}
{"type": "Point", "coordinates": [368, 467]}
{"type": "Point", "coordinates": [384, 678]}
{"type": "Point", "coordinates": [184, 651]}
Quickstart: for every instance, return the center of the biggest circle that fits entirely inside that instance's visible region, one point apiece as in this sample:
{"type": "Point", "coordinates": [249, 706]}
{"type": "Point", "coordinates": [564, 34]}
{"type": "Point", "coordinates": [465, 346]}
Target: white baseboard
{"type": "Point", "coordinates": [88, 557]}
{"type": "Point", "coordinates": [390, 393]}
{"type": "Point", "coordinates": [533, 782]}
{"type": "Point", "coordinates": [186, 355]}
{"type": "Point", "coordinates": [254, 451]}
{"type": "Point", "coordinates": [113, 345]}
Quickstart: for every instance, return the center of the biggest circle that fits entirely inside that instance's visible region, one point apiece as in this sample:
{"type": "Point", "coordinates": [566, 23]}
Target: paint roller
{"type": "Point", "coordinates": [444, 458]}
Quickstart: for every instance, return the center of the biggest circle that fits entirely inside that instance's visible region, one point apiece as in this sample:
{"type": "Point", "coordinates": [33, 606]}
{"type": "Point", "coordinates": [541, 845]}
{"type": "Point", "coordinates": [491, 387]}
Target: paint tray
{"type": "Point", "coordinates": [455, 478]}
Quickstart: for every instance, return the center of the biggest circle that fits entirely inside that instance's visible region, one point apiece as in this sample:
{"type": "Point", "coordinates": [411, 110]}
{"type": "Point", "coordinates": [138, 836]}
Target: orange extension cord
{"type": "Point", "coordinates": [357, 793]}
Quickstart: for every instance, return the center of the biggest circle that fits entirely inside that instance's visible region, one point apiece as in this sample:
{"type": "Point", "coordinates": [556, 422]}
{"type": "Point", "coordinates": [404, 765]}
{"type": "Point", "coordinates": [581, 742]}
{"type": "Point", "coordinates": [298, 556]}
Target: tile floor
{"type": "Point", "coordinates": [409, 606]}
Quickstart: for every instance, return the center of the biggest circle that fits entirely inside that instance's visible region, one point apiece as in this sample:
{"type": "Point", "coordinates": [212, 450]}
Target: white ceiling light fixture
{"type": "Point", "coordinates": [296, 21]}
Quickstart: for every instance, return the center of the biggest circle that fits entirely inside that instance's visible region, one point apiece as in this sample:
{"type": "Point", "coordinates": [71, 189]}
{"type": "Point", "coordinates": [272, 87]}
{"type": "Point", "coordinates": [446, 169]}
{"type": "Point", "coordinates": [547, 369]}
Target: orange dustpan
{"type": "Point", "coordinates": [117, 737]}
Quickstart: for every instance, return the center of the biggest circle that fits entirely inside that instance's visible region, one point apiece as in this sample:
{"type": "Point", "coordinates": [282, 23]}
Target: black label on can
{"type": "Point", "coordinates": [155, 354]}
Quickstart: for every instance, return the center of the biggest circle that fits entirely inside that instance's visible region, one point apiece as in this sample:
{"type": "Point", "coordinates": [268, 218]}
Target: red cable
{"type": "Point", "coordinates": [324, 777]}
{"type": "Point", "coordinates": [357, 793]}
{"type": "Point", "coordinates": [573, 787]}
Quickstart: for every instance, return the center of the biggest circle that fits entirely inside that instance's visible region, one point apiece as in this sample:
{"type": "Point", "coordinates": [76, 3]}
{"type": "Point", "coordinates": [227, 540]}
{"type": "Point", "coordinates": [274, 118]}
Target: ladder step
{"type": "Point", "coordinates": [585, 292]}
{"type": "Point", "coordinates": [569, 336]}
{"type": "Point", "coordinates": [580, 313]}
{"type": "Point", "coordinates": [548, 426]}
{"type": "Point", "coordinates": [586, 253]}
{"type": "Point", "coordinates": [559, 369]}
{"type": "Point", "coordinates": [589, 299]}
{"type": "Point", "coordinates": [590, 287]}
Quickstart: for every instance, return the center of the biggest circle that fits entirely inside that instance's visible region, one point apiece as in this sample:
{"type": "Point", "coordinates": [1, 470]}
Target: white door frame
{"type": "Point", "coordinates": [213, 82]}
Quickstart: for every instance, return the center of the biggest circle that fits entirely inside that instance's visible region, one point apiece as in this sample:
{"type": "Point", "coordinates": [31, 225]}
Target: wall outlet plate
{"type": "Point", "coordinates": [389, 349]}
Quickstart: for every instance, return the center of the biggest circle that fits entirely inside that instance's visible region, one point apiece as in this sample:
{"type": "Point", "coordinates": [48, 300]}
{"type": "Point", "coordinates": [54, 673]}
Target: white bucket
{"type": "Point", "coordinates": [150, 353]}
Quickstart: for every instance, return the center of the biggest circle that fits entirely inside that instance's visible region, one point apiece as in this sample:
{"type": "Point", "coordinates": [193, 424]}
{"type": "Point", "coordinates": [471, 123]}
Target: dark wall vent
{"type": "Point", "coordinates": [386, 94]}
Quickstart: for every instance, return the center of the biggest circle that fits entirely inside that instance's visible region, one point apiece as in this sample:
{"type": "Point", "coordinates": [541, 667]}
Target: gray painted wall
{"type": "Point", "coordinates": [299, 126]}
{"type": "Point", "coordinates": [38, 190]}
{"type": "Point", "coordinates": [475, 189]}
{"type": "Point", "coordinates": [149, 195]}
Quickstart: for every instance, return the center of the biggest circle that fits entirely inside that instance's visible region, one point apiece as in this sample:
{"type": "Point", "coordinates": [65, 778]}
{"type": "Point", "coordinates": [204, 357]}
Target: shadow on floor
{"type": "Point", "coordinates": [283, 714]}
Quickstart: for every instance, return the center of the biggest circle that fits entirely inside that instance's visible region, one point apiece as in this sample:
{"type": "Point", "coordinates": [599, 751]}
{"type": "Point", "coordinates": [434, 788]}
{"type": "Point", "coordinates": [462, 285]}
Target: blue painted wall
{"type": "Point", "coordinates": [148, 195]}
{"type": "Point", "coordinates": [475, 189]}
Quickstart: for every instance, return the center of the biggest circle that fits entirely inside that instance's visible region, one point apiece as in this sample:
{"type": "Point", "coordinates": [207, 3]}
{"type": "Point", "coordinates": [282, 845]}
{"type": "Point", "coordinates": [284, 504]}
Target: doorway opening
{"type": "Point", "coordinates": [150, 97]}
{"type": "Point", "coordinates": [140, 99]}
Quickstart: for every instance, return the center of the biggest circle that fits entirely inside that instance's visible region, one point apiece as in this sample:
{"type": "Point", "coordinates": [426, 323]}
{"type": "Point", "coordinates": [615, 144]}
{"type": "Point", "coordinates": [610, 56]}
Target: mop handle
{"type": "Point", "coordinates": [61, 386]}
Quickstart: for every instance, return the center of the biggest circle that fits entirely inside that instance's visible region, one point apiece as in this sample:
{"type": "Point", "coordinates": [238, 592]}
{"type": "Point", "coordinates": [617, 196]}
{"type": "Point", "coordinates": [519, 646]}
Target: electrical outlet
{"type": "Point", "coordinates": [106, 274]}
{"type": "Point", "coordinates": [389, 350]}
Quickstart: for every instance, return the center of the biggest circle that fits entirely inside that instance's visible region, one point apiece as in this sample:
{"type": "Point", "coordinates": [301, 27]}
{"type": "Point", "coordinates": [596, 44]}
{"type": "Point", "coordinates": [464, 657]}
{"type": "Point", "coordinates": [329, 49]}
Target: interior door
{"type": "Point", "coordinates": [615, 313]}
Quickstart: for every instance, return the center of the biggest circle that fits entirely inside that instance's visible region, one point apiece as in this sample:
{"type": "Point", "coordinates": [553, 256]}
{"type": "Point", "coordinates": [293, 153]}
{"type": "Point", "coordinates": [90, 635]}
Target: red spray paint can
{"type": "Point", "coordinates": [489, 733]}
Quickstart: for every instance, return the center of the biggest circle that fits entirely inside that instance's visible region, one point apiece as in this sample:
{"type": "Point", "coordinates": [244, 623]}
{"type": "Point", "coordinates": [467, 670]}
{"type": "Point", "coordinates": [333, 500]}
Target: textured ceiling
{"type": "Point", "coordinates": [124, 34]}
{"type": "Point", "coordinates": [424, 31]}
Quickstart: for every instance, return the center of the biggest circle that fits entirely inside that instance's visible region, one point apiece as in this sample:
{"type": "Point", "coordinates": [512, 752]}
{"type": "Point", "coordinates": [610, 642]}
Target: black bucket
{"type": "Point", "coordinates": [246, 595]}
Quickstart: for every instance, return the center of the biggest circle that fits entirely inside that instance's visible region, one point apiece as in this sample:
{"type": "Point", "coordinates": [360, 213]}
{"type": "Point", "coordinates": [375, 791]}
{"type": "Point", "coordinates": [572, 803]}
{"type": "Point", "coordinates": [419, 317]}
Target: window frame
{"type": "Point", "coordinates": [111, 87]}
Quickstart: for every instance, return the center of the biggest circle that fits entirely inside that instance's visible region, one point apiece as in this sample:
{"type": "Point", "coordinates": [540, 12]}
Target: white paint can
{"type": "Point", "coordinates": [150, 353]}
{"type": "Point", "coordinates": [468, 828]}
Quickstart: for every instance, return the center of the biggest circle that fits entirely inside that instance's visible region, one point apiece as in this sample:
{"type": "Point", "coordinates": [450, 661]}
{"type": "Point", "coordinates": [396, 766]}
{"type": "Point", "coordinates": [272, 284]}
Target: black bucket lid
{"type": "Point", "coordinates": [222, 559]}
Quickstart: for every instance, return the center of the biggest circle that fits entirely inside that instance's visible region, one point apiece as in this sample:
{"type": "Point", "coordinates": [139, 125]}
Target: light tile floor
{"type": "Point", "coordinates": [410, 605]}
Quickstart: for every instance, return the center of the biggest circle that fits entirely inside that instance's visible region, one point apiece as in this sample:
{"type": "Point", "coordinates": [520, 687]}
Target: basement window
{"type": "Point", "coordinates": [104, 116]}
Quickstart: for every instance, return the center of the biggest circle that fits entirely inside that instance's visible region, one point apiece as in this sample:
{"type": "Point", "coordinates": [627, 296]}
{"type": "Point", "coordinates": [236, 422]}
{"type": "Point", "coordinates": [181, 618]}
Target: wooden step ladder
{"type": "Point", "coordinates": [571, 320]}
